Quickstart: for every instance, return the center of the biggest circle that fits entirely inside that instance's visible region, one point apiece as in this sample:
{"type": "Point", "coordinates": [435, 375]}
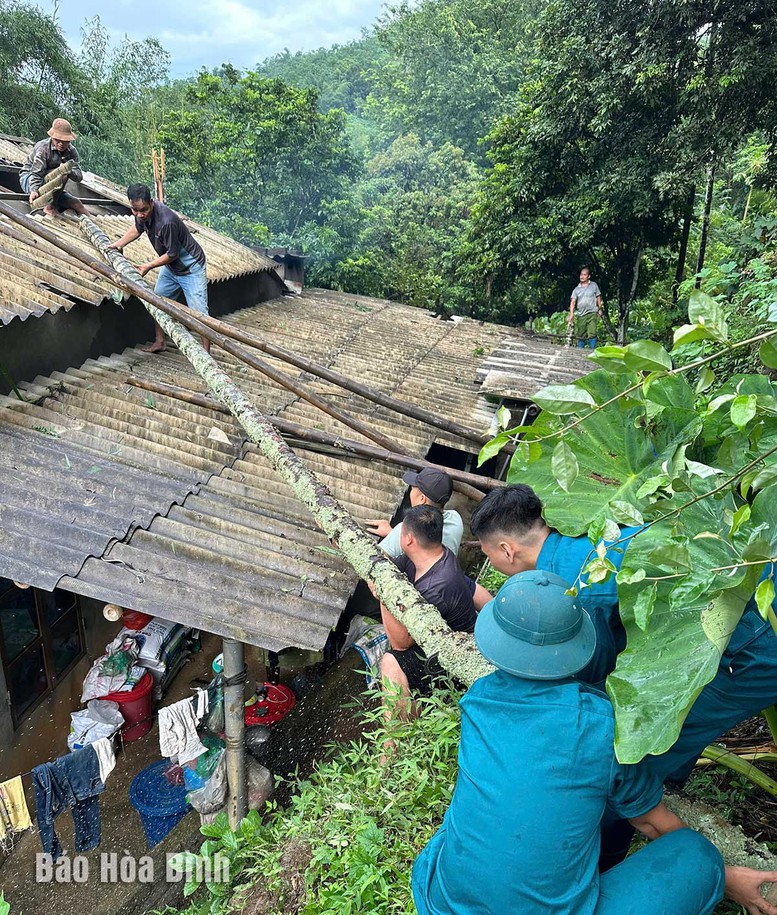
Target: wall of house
{"type": "Point", "coordinates": [57, 342]}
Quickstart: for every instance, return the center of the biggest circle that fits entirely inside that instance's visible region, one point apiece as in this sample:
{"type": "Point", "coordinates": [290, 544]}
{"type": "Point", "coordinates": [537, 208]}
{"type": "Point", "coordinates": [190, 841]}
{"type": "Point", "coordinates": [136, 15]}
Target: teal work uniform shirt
{"type": "Point", "coordinates": [536, 769]}
{"type": "Point", "coordinates": [566, 556]}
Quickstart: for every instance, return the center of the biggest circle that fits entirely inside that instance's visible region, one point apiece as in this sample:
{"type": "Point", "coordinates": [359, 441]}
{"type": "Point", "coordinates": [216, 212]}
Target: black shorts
{"type": "Point", "coordinates": [64, 201]}
{"type": "Point", "coordinates": [421, 672]}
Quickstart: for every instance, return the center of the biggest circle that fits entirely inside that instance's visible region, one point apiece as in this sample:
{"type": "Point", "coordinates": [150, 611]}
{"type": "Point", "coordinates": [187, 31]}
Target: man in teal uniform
{"type": "Point", "coordinates": [537, 769]}
{"type": "Point", "coordinates": [515, 537]}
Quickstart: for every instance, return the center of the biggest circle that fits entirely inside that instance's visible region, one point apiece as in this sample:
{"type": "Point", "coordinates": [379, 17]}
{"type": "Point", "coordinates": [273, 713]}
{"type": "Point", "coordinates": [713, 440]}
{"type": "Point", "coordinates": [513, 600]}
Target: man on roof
{"type": "Point", "coordinates": [537, 769]}
{"type": "Point", "coordinates": [47, 155]}
{"type": "Point", "coordinates": [180, 257]}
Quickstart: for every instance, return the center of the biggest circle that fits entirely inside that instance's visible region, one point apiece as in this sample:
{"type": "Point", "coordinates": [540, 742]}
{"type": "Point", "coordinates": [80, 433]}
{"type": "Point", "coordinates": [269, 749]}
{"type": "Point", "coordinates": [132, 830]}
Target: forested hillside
{"type": "Point", "coordinates": [462, 159]}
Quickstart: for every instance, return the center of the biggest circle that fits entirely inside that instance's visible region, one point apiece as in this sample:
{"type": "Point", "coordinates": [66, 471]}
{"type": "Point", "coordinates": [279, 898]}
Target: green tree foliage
{"type": "Point", "coordinates": [691, 453]}
{"type": "Point", "coordinates": [407, 217]}
{"type": "Point", "coordinates": [623, 109]}
{"type": "Point", "coordinates": [452, 67]}
{"type": "Point", "coordinates": [38, 75]}
{"type": "Point", "coordinates": [342, 74]}
{"type": "Point", "coordinates": [253, 156]}
{"type": "Point", "coordinates": [119, 102]}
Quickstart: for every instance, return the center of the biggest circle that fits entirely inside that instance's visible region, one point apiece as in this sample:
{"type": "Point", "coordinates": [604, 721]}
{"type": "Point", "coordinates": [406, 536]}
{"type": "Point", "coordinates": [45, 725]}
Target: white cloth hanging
{"type": "Point", "coordinates": [178, 732]}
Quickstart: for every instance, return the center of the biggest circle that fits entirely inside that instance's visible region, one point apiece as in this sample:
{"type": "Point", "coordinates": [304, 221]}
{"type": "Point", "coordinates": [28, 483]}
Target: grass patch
{"type": "Point", "coordinates": [347, 840]}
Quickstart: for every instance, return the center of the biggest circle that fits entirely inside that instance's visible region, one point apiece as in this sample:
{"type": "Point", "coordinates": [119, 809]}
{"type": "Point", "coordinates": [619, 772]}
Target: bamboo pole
{"type": "Point", "coordinates": [317, 436]}
{"type": "Point", "coordinates": [55, 180]}
{"type": "Point", "coordinates": [234, 673]}
{"type": "Point", "coordinates": [457, 651]}
{"type": "Point", "coordinates": [343, 381]}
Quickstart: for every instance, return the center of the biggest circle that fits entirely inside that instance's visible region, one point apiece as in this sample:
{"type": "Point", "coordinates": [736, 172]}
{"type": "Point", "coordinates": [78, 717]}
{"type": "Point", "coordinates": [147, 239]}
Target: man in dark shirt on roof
{"type": "Point", "coordinates": [437, 576]}
{"type": "Point", "coordinates": [181, 258]}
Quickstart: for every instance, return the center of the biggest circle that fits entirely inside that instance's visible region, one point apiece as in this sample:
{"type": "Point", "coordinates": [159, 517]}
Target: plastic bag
{"type": "Point", "coordinates": [100, 718]}
{"type": "Point", "coordinates": [214, 720]}
{"type": "Point", "coordinates": [110, 672]}
{"type": "Point", "coordinates": [211, 799]}
{"type": "Point", "coordinates": [213, 795]}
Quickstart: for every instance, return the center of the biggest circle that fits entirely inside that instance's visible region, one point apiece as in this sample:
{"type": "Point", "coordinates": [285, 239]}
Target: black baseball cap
{"type": "Point", "coordinates": [434, 483]}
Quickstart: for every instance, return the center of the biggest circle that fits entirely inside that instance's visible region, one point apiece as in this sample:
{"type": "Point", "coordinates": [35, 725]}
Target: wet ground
{"type": "Point", "coordinates": [297, 741]}
{"type": "Point", "coordinates": [44, 737]}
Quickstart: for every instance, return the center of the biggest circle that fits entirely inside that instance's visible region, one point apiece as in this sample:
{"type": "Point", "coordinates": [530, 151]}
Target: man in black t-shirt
{"type": "Point", "coordinates": [181, 258]}
{"type": "Point", "coordinates": [437, 576]}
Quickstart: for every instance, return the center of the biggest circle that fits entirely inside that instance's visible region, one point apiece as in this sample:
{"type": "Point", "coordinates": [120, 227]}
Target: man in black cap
{"type": "Point", "coordinates": [429, 486]}
{"type": "Point", "coordinates": [437, 575]}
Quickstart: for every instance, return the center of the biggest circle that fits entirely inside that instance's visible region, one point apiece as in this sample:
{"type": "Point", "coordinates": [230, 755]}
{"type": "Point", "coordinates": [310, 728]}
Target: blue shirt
{"type": "Point", "coordinates": [566, 556]}
{"type": "Point", "coordinates": [536, 769]}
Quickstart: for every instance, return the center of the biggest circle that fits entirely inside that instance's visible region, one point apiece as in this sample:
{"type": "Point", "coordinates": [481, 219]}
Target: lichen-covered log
{"type": "Point", "coordinates": [457, 651]}
{"type": "Point", "coordinates": [738, 850]}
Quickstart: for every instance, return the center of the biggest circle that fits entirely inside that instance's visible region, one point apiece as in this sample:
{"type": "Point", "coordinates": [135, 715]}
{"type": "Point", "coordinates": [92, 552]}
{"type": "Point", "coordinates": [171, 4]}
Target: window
{"type": "Point", "coordinates": [41, 638]}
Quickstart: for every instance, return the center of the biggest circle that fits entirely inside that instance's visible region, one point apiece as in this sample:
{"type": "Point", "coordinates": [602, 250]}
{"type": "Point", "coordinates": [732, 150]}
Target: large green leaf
{"type": "Point", "coordinates": [563, 399]}
{"type": "Point", "coordinates": [675, 640]}
{"type": "Point", "coordinates": [617, 449]}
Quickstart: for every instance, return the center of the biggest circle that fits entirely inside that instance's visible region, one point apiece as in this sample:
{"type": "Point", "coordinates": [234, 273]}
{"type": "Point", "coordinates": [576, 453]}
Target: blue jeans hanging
{"type": "Point", "coordinates": [70, 782]}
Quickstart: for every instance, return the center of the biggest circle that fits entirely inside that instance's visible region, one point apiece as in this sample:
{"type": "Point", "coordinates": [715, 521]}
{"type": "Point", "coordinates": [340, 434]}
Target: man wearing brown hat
{"type": "Point", "coordinates": [47, 155]}
{"type": "Point", "coordinates": [430, 486]}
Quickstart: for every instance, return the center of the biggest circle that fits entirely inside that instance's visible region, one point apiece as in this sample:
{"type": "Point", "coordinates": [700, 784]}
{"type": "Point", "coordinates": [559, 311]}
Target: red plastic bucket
{"type": "Point", "coordinates": [277, 704]}
{"type": "Point", "coordinates": [134, 619]}
{"type": "Point", "coordinates": [136, 705]}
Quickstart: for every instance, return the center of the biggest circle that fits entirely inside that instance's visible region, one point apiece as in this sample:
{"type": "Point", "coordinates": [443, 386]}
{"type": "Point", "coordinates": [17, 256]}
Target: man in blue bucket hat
{"type": "Point", "coordinates": [536, 769]}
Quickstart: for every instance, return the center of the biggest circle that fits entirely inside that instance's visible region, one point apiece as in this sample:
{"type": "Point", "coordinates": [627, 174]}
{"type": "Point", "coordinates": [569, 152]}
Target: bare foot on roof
{"type": "Point", "coordinates": [154, 347]}
{"type": "Point", "coordinates": [50, 210]}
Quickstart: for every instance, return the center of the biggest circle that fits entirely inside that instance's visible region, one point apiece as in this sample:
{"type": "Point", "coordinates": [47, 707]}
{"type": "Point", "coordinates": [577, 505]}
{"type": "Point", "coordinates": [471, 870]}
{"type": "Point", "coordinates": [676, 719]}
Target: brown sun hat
{"type": "Point", "coordinates": [61, 130]}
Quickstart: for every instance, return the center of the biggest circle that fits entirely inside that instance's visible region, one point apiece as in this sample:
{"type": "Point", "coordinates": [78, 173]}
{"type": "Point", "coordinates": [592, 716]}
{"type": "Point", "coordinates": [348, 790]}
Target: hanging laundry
{"type": "Point", "coordinates": [201, 701]}
{"type": "Point", "coordinates": [178, 732]}
{"type": "Point", "coordinates": [71, 782]}
{"type": "Point", "coordinates": [14, 815]}
{"type": "Point", "coordinates": [106, 757]}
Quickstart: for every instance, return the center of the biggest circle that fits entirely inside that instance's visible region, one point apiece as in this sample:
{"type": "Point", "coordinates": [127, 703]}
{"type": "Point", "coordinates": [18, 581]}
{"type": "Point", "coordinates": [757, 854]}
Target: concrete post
{"type": "Point", "coordinates": [234, 711]}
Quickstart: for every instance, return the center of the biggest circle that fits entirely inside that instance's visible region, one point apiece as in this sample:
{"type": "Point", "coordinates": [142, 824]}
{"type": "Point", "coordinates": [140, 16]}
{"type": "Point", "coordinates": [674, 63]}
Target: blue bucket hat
{"type": "Point", "coordinates": [534, 629]}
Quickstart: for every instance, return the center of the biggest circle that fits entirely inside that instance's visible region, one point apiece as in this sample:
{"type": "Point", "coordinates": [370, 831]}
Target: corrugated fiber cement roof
{"type": "Point", "coordinates": [162, 506]}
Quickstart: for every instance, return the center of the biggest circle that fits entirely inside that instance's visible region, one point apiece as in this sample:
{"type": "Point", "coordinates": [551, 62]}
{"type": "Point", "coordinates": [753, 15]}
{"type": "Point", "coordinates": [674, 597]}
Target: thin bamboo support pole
{"type": "Point", "coordinates": [456, 650]}
{"type": "Point", "coordinates": [36, 244]}
{"type": "Point", "coordinates": [723, 757]}
{"type": "Point", "coordinates": [317, 436]}
{"type": "Point", "coordinates": [343, 381]}
{"type": "Point", "coordinates": [55, 180]}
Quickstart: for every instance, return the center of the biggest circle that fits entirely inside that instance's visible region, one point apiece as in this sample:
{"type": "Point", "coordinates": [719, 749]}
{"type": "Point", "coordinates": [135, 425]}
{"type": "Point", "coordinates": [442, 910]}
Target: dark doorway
{"type": "Point", "coordinates": [41, 638]}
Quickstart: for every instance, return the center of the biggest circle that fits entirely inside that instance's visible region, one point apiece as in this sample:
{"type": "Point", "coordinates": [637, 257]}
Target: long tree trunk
{"type": "Point", "coordinates": [682, 254]}
{"type": "Point", "coordinates": [457, 651]}
{"type": "Point", "coordinates": [705, 223]}
{"type": "Point", "coordinates": [625, 311]}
